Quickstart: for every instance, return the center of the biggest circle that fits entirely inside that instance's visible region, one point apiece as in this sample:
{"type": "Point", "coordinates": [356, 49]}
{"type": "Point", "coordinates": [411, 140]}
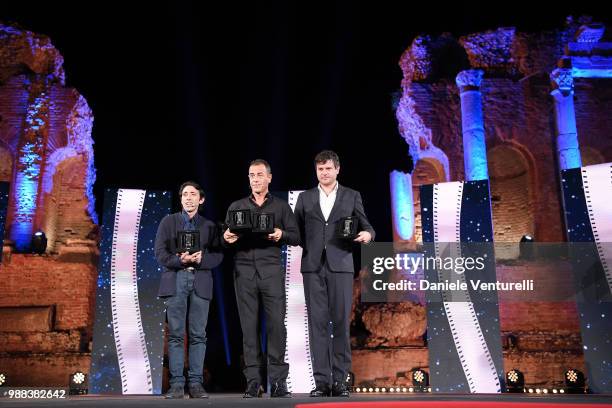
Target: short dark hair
{"type": "Point", "coordinates": [194, 185]}
{"type": "Point", "coordinates": [326, 155]}
{"type": "Point", "coordinates": [262, 161]}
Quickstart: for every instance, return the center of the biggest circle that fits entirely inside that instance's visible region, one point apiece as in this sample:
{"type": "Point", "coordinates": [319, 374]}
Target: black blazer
{"type": "Point", "coordinates": [171, 262]}
{"type": "Point", "coordinates": [318, 234]}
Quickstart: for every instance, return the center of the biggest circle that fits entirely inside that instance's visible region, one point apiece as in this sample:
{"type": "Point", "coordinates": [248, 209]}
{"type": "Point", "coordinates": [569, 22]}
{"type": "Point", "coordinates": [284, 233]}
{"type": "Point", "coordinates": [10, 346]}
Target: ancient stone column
{"type": "Point", "coordinates": [472, 125]}
{"type": "Point", "coordinates": [402, 205]}
{"type": "Point", "coordinates": [568, 148]}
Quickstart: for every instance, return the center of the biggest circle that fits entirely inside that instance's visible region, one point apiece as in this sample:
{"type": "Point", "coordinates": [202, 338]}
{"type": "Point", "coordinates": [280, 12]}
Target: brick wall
{"type": "Point", "coordinates": [46, 315]}
{"type": "Point", "coordinates": [511, 194]}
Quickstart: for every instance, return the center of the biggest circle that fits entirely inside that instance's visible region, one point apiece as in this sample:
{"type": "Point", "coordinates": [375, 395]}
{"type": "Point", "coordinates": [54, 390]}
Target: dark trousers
{"type": "Point", "coordinates": [329, 296]}
{"type": "Point", "coordinates": [186, 305]}
{"type": "Point", "coordinates": [251, 293]}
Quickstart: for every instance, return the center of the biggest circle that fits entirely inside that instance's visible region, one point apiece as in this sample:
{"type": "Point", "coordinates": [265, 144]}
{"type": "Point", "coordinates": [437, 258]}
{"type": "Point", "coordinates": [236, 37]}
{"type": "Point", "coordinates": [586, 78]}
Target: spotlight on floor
{"type": "Point", "coordinates": [78, 383]}
{"type": "Point", "coordinates": [350, 379]}
{"type": "Point", "coordinates": [39, 243]}
{"type": "Point", "coordinates": [574, 382]}
{"type": "Point", "coordinates": [515, 381]}
{"type": "Point", "coordinates": [3, 379]}
{"type": "Point", "coordinates": [420, 380]}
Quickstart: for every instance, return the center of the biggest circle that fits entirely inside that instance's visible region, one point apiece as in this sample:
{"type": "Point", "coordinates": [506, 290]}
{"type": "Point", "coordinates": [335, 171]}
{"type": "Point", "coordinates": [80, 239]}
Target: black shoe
{"type": "Point", "coordinates": [279, 390]}
{"type": "Point", "coordinates": [176, 391]}
{"type": "Point", "coordinates": [321, 391]}
{"type": "Point", "coordinates": [254, 390]}
{"type": "Point", "coordinates": [339, 389]}
{"type": "Point", "coordinates": [197, 391]}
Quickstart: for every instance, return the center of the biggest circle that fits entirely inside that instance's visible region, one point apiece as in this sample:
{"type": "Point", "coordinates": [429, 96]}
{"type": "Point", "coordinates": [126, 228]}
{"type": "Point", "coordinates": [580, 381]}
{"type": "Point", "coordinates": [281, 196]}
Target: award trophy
{"type": "Point", "coordinates": [347, 228]}
{"type": "Point", "coordinates": [240, 220]}
{"type": "Point", "coordinates": [263, 223]}
{"type": "Point", "coordinates": [188, 241]}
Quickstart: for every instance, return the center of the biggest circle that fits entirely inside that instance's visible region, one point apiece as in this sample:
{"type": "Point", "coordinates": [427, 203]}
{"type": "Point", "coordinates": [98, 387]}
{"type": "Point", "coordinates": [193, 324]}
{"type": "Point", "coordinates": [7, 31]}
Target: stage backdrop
{"type": "Point", "coordinates": [463, 333]}
{"type": "Point", "coordinates": [587, 197]}
{"type": "Point", "coordinates": [4, 200]}
{"type": "Point", "coordinates": [127, 356]}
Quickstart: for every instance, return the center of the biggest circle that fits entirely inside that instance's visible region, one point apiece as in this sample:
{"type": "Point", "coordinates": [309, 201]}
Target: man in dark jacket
{"type": "Point", "coordinates": [258, 274]}
{"type": "Point", "coordinates": [186, 283]}
{"type": "Point", "coordinates": [327, 269]}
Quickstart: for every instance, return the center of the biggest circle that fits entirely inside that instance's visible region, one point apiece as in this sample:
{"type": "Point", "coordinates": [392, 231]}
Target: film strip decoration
{"type": "Point", "coordinates": [597, 185]}
{"type": "Point", "coordinates": [588, 219]}
{"type": "Point", "coordinates": [4, 200]}
{"type": "Point", "coordinates": [297, 352]}
{"type": "Point", "coordinates": [134, 364]}
{"type": "Point", "coordinates": [127, 355]}
{"type": "Point", "coordinates": [464, 349]}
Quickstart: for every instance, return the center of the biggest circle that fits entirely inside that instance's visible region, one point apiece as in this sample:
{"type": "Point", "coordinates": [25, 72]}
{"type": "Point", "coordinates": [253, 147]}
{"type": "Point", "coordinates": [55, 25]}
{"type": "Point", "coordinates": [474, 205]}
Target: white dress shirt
{"type": "Point", "coordinates": [327, 201]}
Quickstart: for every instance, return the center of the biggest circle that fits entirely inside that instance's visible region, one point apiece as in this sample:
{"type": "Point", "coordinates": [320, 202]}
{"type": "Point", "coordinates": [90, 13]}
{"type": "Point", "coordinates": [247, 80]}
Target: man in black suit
{"type": "Point", "coordinates": [259, 279]}
{"type": "Point", "coordinates": [327, 269]}
{"type": "Point", "coordinates": [186, 284]}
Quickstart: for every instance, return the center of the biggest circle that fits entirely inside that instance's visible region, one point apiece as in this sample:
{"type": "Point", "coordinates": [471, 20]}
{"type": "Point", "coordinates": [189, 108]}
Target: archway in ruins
{"type": "Point", "coordinates": [426, 171]}
{"type": "Point", "coordinates": [512, 193]}
{"type": "Point", "coordinates": [65, 213]}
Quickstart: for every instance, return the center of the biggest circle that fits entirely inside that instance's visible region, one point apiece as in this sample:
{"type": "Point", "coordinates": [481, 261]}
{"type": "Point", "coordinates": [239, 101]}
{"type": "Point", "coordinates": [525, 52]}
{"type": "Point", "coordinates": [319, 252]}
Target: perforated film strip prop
{"type": "Point", "coordinates": [4, 200]}
{"type": "Point", "coordinates": [297, 352]}
{"type": "Point", "coordinates": [127, 351]}
{"type": "Point", "coordinates": [587, 193]}
{"type": "Point", "coordinates": [127, 323]}
{"type": "Point", "coordinates": [464, 350]}
{"type": "Point", "coordinates": [597, 187]}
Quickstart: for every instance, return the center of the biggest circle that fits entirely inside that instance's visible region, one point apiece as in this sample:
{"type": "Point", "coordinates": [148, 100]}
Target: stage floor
{"type": "Point", "coordinates": [360, 401]}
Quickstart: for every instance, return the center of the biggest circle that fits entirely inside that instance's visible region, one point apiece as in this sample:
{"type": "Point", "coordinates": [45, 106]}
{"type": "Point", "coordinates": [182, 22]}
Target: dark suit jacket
{"type": "Point", "coordinates": [171, 263]}
{"type": "Point", "coordinates": [318, 234]}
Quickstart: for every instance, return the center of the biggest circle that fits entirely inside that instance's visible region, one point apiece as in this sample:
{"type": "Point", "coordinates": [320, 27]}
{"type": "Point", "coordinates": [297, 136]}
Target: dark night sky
{"type": "Point", "coordinates": [184, 92]}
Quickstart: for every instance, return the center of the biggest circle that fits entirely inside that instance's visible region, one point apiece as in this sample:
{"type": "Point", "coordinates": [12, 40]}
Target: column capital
{"type": "Point", "coordinates": [562, 81]}
{"type": "Point", "coordinates": [469, 79]}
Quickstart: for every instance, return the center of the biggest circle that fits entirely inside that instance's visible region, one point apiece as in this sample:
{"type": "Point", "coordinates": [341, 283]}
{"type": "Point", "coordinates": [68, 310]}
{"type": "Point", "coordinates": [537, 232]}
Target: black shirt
{"type": "Point", "coordinates": [256, 253]}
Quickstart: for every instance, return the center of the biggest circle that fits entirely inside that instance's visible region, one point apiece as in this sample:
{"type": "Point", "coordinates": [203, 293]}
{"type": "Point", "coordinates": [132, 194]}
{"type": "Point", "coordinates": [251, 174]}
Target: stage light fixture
{"type": "Point", "coordinates": [3, 379]}
{"type": "Point", "coordinates": [350, 379]}
{"type": "Point", "coordinates": [39, 243]}
{"type": "Point", "coordinates": [515, 381]}
{"type": "Point", "coordinates": [574, 381]}
{"type": "Point", "coordinates": [420, 380]}
{"type": "Point", "coordinates": [526, 248]}
{"type": "Point", "coordinates": [78, 383]}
